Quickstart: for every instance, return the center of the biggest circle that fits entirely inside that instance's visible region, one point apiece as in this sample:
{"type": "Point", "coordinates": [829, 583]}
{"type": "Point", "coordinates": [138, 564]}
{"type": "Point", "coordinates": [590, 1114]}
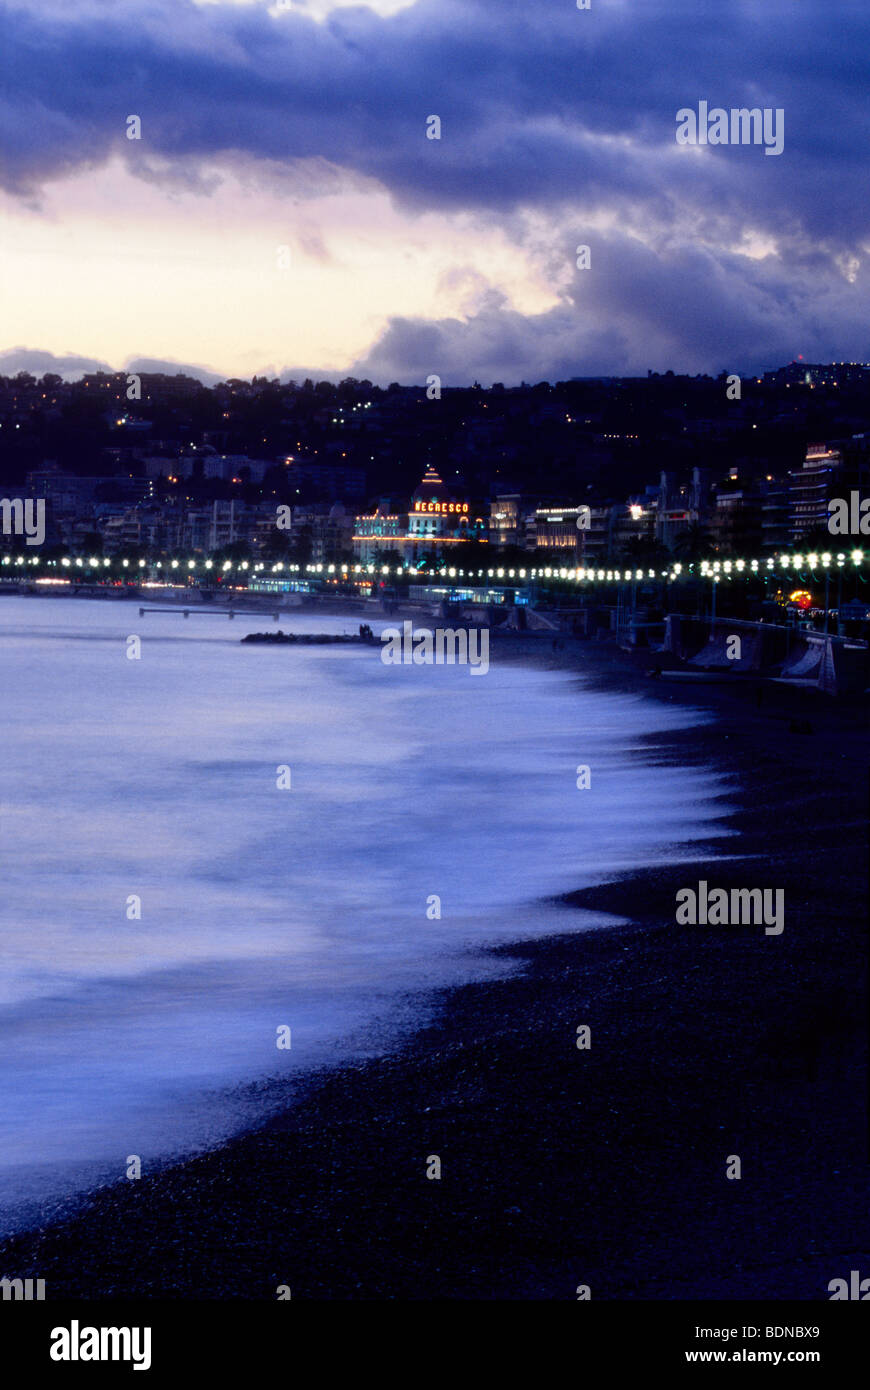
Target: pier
{"type": "Point", "coordinates": [273, 613]}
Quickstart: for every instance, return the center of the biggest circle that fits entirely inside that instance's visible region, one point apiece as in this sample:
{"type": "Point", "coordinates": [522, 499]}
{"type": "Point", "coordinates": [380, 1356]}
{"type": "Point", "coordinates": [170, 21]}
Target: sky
{"type": "Point", "coordinates": [285, 213]}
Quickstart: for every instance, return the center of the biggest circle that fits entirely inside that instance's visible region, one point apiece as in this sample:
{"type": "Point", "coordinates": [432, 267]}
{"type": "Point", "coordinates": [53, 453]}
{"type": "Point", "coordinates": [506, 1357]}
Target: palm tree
{"type": "Point", "coordinates": [644, 551]}
{"type": "Point", "coordinates": [387, 555]}
{"type": "Point", "coordinates": [693, 544]}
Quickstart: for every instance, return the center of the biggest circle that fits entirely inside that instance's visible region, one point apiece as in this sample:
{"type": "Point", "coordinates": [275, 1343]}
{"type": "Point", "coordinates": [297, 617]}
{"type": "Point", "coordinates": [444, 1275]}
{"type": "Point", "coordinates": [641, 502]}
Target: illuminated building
{"type": "Point", "coordinates": [810, 488]}
{"type": "Point", "coordinates": [435, 521]}
{"type": "Point", "coordinates": [376, 533]}
{"type": "Point", "coordinates": [556, 528]}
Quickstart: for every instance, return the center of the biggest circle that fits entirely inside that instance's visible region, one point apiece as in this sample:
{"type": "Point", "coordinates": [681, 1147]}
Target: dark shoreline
{"type": "Point", "coordinates": [562, 1167]}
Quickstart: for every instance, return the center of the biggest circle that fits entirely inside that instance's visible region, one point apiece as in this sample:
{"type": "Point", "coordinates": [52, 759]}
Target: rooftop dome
{"type": "Point", "coordinates": [431, 488]}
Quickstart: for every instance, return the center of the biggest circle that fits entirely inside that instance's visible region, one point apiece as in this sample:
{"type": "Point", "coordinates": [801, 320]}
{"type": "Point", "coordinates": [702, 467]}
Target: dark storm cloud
{"type": "Point", "coordinates": [688, 310]}
{"type": "Point", "coordinates": [169, 367]}
{"type": "Point", "coordinates": [71, 366]}
{"type": "Point", "coordinates": [545, 109]}
{"type": "Point", "coordinates": [534, 98]}
{"type": "Point", "coordinates": [38, 362]}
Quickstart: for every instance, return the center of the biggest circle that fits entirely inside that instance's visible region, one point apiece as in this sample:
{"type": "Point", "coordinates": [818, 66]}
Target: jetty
{"type": "Point", "coordinates": [220, 612]}
{"type": "Point", "coordinates": [364, 637]}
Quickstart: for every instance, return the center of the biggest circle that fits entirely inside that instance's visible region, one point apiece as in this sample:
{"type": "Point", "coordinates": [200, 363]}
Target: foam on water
{"type": "Point", "coordinates": [263, 907]}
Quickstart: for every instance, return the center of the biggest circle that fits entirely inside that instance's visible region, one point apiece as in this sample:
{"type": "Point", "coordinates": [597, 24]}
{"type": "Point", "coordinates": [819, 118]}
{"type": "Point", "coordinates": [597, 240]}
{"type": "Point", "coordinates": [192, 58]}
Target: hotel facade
{"type": "Point", "coordinates": [435, 522]}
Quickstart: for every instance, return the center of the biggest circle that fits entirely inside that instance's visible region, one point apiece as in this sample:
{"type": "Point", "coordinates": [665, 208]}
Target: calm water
{"type": "Point", "coordinates": [263, 907]}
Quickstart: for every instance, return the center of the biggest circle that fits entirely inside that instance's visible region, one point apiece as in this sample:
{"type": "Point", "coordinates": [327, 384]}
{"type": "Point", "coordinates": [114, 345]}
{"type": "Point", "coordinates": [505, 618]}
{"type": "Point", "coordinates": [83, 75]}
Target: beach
{"type": "Point", "coordinates": [562, 1167]}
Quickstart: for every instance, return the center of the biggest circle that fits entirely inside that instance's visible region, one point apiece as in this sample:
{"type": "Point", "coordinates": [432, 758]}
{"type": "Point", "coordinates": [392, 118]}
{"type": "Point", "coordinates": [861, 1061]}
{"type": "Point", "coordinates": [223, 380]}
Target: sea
{"type": "Point", "coordinates": [216, 848]}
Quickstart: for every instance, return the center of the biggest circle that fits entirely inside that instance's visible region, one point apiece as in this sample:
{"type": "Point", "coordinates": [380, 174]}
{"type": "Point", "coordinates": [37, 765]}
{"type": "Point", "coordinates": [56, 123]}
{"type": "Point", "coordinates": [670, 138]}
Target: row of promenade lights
{"type": "Point", "coordinates": [707, 569]}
